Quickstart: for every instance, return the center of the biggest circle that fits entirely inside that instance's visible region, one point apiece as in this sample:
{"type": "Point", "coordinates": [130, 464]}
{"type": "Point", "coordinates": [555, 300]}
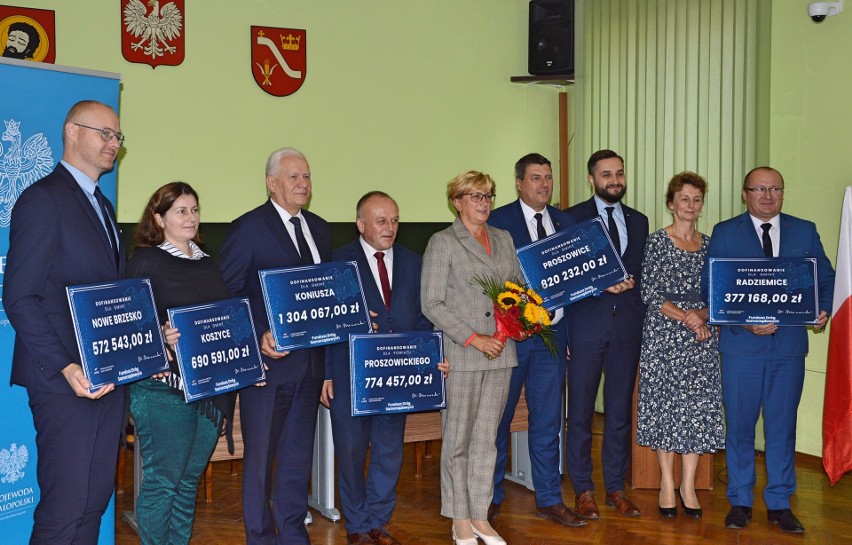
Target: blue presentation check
{"type": "Point", "coordinates": [217, 351]}
{"type": "Point", "coordinates": [396, 372]}
{"type": "Point", "coordinates": [117, 330]}
{"type": "Point", "coordinates": [572, 265]}
{"type": "Point", "coordinates": [314, 305]}
{"type": "Point", "coordinates": [777, 290]}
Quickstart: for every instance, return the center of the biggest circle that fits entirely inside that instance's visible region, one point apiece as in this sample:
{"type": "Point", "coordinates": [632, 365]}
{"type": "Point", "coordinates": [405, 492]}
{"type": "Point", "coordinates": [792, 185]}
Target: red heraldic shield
{"type": "Point", "coordinates": [27, 34]}
{"type": "Point", "coordinates": [278, 59]}
{"type": "Point", "coordinates": [152, 32]}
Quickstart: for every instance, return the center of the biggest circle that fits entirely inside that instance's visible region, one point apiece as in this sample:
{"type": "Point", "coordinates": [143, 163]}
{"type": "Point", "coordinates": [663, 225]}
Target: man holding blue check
{"type": "Point", "coordinates": [528, 219]}
{"type": "Point", "coordinates": [764, 365]}
{"type": "Point", "coordinates": [390, 275]}
{"type": "Point", "coordinates": [64, 233]}
{"type": "Point", "coordinates": [606, 338]}
{"type": "Point", "coordinates": [278, 419]}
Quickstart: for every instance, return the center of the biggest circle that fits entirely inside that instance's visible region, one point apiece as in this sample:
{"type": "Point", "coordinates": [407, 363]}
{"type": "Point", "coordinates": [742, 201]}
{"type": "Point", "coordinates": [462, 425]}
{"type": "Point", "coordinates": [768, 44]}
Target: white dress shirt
{"type": "Point", "coordinates": [532, 227]}
{"type": "Point", "coordinates": [774, 232]}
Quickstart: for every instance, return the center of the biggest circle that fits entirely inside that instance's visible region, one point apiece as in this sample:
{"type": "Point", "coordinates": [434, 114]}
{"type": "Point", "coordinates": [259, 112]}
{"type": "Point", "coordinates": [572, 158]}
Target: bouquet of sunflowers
{"type": "Point", "coordinates": [517, 311]}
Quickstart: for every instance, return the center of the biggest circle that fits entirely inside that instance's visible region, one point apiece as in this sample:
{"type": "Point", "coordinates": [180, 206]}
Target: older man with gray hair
{"type": "Point", "coordinates": [279, 418]}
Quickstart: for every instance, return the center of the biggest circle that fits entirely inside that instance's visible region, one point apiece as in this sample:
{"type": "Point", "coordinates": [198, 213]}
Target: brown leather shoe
{"type": "Point", "coordinates": [382, 537]}
{"type": "Point", "coordinates": [619, 501]}
{"type": "Point", "coordinates": [360, 538]}
{"type": "Point", "coordinates": [561, 514]}
{"type": "Point", "coordinates": [493, 511]}
{"type": "Point", "coordinates": [586, 506]}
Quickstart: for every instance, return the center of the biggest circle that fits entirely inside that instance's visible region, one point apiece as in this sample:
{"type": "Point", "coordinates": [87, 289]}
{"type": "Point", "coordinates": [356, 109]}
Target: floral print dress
{"type": "Point", "coordinates": [680, 391]}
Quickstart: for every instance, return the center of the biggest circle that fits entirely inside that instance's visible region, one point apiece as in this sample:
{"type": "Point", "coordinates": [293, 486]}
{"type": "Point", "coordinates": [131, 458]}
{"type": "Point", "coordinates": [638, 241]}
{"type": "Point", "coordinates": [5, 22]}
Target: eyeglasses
{"type": "Point", "coordinates": [106, 134]}
{"type": "Point", "coordinates": [477, 197]}
{"type": "Point", "coordinates": [764, 190]}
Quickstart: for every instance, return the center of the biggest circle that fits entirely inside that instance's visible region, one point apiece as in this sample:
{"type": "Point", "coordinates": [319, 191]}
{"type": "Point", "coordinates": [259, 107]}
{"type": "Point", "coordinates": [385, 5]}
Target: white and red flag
{"type": "Point", "coordinates": [837, 410]}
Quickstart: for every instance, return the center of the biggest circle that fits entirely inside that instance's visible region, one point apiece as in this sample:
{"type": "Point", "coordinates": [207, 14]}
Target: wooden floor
{"type": "Point", "coordinates": [826, 513]}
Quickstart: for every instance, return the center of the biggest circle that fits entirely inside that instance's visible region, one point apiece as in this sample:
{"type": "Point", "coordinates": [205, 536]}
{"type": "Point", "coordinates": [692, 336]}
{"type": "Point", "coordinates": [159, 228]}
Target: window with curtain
{"type": "Point", "coordinates": [673, 85]}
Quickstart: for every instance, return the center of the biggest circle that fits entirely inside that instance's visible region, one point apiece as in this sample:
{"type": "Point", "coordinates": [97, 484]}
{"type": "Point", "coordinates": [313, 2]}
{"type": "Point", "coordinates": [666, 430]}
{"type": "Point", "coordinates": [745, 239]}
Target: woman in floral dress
{"type": "Point", "coordinates": [680, 393]}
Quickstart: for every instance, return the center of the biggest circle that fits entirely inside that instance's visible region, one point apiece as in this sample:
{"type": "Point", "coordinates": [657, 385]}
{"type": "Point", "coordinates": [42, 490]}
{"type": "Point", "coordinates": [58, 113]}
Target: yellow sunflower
{"type": "Point", "coordinates": [531, 314]}
{"type": "Point", "coordinates": [534, 296]}
{"type": "Point", "coordinates": [545, 316]}
{"type": "Point", "coordinates": [507, 299]}
{"type": "Point", "coordinates": [514, 287]}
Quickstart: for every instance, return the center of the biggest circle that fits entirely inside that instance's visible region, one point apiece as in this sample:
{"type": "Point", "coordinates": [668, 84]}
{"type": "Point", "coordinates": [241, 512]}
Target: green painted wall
{"type": "Point", "coordinates": [398, 96]}
{"type": "Point", "coordinates": [810, 136]}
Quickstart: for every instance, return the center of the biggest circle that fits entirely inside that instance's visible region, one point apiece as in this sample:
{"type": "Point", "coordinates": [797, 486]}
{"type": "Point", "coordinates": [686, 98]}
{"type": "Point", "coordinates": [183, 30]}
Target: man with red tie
{"type": "Point", "coordinates": [390, 274]}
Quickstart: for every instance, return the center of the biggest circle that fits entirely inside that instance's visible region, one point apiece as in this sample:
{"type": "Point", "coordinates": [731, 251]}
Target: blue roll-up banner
{"type": "Point", "coordinates": [36, 98]}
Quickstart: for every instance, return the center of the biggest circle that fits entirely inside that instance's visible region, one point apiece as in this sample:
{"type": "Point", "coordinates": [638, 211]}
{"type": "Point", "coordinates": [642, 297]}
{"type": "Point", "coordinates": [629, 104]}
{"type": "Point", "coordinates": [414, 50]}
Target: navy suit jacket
{"type": "Point", "coordinates": [737, 237]}
{"type": "Point", "coordinates": [404, 313]}
{"type": "Point", "coordinates": [588, 317]}
{"type": "Point", "coordinates": [510, 217]}
{"type": "Point", "coordinates": [56, 240]}
{"type": "Point", "coordinates": [259, 240]}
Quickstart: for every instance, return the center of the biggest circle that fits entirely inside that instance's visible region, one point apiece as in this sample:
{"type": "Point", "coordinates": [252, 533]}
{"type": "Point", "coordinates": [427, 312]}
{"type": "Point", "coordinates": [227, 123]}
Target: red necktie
{"type": "Point", "coordinates": [383, 278]}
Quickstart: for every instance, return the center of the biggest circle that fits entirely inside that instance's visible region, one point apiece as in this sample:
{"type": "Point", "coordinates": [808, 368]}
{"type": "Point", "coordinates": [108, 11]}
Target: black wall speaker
{"type": "Point", "coordinates": [551, 48]}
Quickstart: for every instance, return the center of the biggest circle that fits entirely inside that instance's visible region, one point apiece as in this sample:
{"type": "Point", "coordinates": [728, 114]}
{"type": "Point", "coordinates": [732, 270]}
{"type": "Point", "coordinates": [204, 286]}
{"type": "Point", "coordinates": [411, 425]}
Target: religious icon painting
{"type": "Point", "coordinates": [278, 59]}
{"type": "Point", "coordinates": [152, 32]}
{"type": "Point", "coordinates": [27, 34]}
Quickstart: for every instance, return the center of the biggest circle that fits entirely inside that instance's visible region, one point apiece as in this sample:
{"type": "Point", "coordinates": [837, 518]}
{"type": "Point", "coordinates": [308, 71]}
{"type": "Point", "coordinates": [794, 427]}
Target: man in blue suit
{"type": "Point", "coordinates": [391, 277]}
{"type": "Point", "coordinates": [765, 364]}
{"type": "Point", "coordinates": [528, 219]}
{"type": "Point", "coordinates": [278, 419]}
{"type": "Point", "coordinates": [606, 337]}
{"type": "Point", "coordinates": [64, 233]}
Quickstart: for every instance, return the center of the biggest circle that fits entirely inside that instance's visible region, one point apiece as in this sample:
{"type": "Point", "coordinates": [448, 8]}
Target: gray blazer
{"type": "Point", "coordinates": [455, 303]}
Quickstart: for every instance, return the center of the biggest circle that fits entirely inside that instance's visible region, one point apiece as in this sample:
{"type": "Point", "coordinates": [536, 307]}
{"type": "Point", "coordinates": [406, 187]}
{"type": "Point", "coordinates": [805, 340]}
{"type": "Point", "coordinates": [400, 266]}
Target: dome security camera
{"type": "Point", "coordinates": [818, 11]}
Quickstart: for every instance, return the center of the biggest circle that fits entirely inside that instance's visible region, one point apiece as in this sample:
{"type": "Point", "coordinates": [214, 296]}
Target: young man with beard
{"type": "Point", "coordinates": [605, 334]}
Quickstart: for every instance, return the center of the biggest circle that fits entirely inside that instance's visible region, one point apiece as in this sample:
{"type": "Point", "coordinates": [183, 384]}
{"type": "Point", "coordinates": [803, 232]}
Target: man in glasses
{"type": "Point", "coordinates": [605, 335]}
{"type": "Point", "coordinates": [528, 219]}
{"type": "Point", "coordinates": [764, 365]}
{"type": "Point", "coordinates": [64, 232]}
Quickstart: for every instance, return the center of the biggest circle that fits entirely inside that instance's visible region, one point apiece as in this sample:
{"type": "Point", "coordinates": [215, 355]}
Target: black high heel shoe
{"type": "Point", "coordinates": [689, 511]}
{"type": "Point", "coordinates": [668, 512]}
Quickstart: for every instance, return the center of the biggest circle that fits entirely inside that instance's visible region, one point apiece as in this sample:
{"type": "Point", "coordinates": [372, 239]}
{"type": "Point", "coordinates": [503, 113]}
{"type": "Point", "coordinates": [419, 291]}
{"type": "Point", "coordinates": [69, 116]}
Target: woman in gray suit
{"type": "Point", "coordinates": [482, 365]}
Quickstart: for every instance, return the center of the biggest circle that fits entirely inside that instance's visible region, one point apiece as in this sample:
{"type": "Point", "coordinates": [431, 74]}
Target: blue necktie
{"type": "Point", "coordinates": [767, 240]}
{"type": "Point", "coordinates": [108, 224]}
{"type": "Point", "coordinates": [301, 241]}
{"type": "Point", "coordinates": [539, 225]}
{"type": "Point", "coordinates": [613, 229]}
